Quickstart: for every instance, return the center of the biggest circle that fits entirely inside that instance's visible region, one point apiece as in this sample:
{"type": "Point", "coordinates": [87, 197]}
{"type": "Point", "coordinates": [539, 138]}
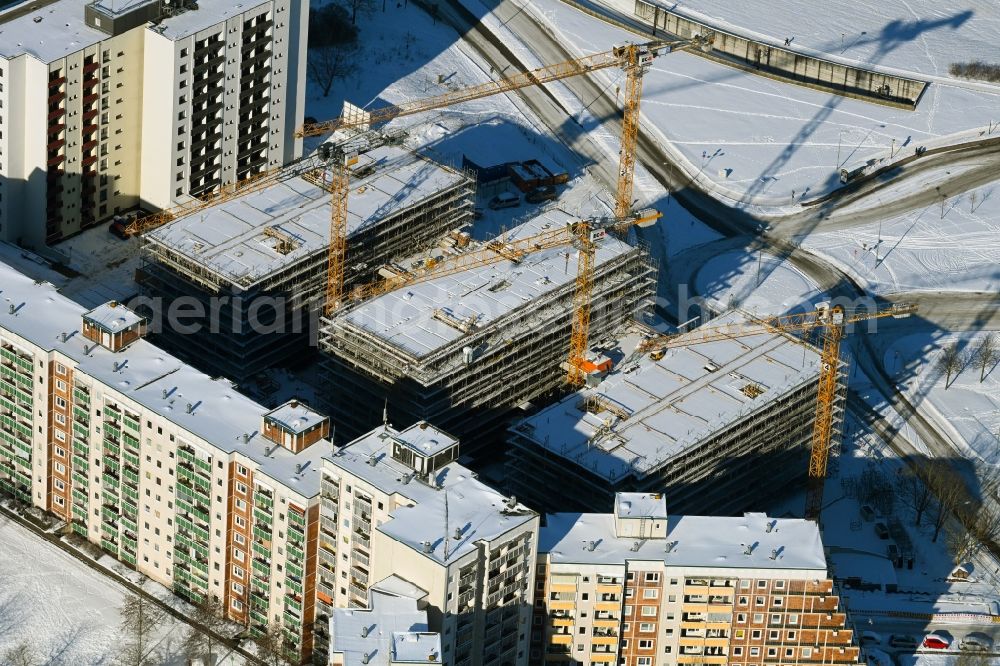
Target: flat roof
{"type": "Point", "coordinates": [229, 239]}
{"type": "Point", "coordinates": [161, 383]}
{"type": "Point", "coordinates": [415, 319]}
{"type": "Point", "coordinates": [640, 505]}
{"type": "Point", "coordinates": [456, 500]}
{"type": "Point", "coordinates": [112, 316]}
{"type": "Point", "coordinates": [62, 29]}
{"type": "Point", "coordinates": [60, 32]}
{"type": "Point", "coordinates": [692, 541]}
{"type": "Point", "coordinates": [672, 404]}
{"type": "Point", "coordinates": [296, 416]}
{"type": "Point", "coordinates": [391, 625]}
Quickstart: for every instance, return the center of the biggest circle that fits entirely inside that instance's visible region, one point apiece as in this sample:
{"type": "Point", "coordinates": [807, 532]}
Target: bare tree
{"type": "Point", "coordinates": [210, 614]}
{"type": "Point", "coordinates": [21, 654]}
{"type": "Point", "coordinates": [140, 619]}
{"type": "Point", "coordinates": [949, 489]}
{"type": "Point", "coordinates": [874, 489]}
{"type": "Point", "coordinates": [914, 493]}
{"type": "Point", "coordinates": [950, 362]}
{"type": "Point", "coordinates": [986, 354]}
{"type": "Point", "coordinates": [364, 5]}
{"type": "Point", "coordinates": [328, 63]}
{"type": "Point", "coordinates": [271, 646]}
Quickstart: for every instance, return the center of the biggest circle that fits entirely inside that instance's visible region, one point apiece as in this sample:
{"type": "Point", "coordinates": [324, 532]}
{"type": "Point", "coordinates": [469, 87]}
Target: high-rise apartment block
{"type": "Point", "coordinates": [170, 471]}
{"type": "Point", "coordinates": [106, 106]}
{"type": "Point", "coordinates": [395, 506]}
{"type": "Point", "coordinates": [637, 587]}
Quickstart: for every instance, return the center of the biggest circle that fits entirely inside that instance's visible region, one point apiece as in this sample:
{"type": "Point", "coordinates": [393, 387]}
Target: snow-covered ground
{"type": "Point", "coordinates": [922, 36]}
{"type": "Point", "coordinates": [773, 286]}
{"type": "Point", "coordinates": [763, 144]}
{"type": "Point", "coordinates": [954, 246]}
{"type": "Point", "coordinates": [69, 613]}
{"type": "Point", "coordinates": [969, 408]}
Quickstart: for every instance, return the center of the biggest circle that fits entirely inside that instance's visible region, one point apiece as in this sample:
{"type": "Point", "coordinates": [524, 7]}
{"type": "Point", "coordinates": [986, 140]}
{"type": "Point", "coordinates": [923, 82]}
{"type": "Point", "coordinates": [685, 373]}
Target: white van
{"type": "Point", "coordinates": [505, 200]}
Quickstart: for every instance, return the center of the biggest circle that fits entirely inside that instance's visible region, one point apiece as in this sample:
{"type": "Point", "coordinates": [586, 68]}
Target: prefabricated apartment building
{"type": "Point", "coordinates": [464, 350]}
{"type": "Point", "coordinates": [257, 263]}
{"type": "Point", "coordinates": [717, 426]}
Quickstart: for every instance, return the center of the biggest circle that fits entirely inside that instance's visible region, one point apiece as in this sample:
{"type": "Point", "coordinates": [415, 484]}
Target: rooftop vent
{"type": "Point", "coordinates": [364, 631]}
{"type": "Point", "coordinates": [427, 546]}
{"type": "Point", "coordinates": [592, 546]}
{"type": "Point", "coordinates": [458, 534]}
{"type": "Point", "coordinates": [189, 408]}
{"type": "Point", "coordinates": [298, 468]}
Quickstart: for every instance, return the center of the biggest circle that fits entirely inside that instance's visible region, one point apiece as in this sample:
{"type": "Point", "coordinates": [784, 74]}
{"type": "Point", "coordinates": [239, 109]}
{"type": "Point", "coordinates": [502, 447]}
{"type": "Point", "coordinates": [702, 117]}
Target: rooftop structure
{"type": "Point", "coordinates": [273, 243]}
{"type": "Point", "coordinates": [710, 424]}
{"type": "Point", "coordinates": [463, 349]}
{"type": "Point", "coordinates": [751, 541]}
{"type": "Point", "coordinates": [392, 630]}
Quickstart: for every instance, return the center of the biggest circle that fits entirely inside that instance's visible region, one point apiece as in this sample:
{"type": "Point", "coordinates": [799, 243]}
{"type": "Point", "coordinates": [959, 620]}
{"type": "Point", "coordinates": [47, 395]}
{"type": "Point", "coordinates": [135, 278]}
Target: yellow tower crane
{"type": "Point", "coordinates": [634, 59]}
{"type": "Point", "coordinates": [830, 321]}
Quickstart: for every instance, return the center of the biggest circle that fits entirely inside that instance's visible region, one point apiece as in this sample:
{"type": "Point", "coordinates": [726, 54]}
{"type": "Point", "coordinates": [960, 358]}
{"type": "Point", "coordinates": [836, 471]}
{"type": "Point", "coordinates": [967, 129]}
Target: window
{"type": "Point", "coordinates": [780, 584]}
{"type": "Point", "coordinates": [60, 403]}
{"type": "Point", "coordinates": [762, 584]}
{"type": "Point", "coordinates": [650, 593]}
{"type": "Point", "coordinates": [652, 577]}
{"type": "Point", "coordinates": [777, 601]}
{"type": "Point", "coordinates": [791, 635]}
{"type": "Point", "coordinates": [240, 522]}
{"type": "Point", "coordinates": [649, 611]}
{"type": "Point", "coordinates": [772, 635]}
{"type": "Point", "coordinates": [60, 419]}
{"type": "Point", "coordinates": [759, 601]}
{"type": "Point", "coordinates": [646, 644]}
{"type": "Point", "coordinates": [807, 652]}
{"type": "Point", "coordinates": [755, 652]}
{"type": "Point", "coordinates": [741, 618]}
{"type": "Point", "coordinates": [239, 538]}
{"type": "Point", "coordinates": [740, 634]}
{"type": "Point", "coordinates": [241, 488]}
{"type": "Point", "coordinates": [646, 627]}
{"type": "Point", "coordinates": [737, 652]}
{"type": "Point", "coordinates": [60, 369]}
{"type": "Point", "coordinates": [744, 584]}
{"type": "Point", "coordinates": [755, 634]}
{"type": "Point", "coordinates": [772, 652]}
{"type": "Point", "coordinates": [789, 652]}
{"type": "Point", "coordinates": [743, 601]}
{"type": "Point", "coordinates": [775, 618]}
{"type": "Point", "coordinates": [793, 618]}
{"type": "Point", "coordinates": [644, 661]}
{"type": "Point", "coordinates": [758, 618]}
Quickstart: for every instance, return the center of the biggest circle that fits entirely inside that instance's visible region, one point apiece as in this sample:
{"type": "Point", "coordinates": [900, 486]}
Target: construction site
{"type": "Point", "coordinates": [257, 262]}
{"type": "Point", "coordinates": [718, 425]}
{"type": "Point", "coordinates": [462, 349]}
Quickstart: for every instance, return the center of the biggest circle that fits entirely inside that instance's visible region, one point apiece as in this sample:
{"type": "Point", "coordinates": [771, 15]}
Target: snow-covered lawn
{"type": "Point", "coordinates": [772, 286]}
{"type": "Point", "coordinates": [969, 408]}
{"type": "Point", "coordinates": [764, 144]}
{"type": "Point", "coordinates": [951, 247]}
{"type": "Point", "coordinates": [923, 36]}
{"type": "Point", "coordinates": [69, 613]}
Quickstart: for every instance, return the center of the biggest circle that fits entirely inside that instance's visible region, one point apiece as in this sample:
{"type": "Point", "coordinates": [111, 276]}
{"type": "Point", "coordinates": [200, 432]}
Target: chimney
{"type": "Point", "coordinates": [364, 631]}
{"type": "Point", "coordinates": [189, 408]}
{"type": "Point", "coordinates": [246, 437]}
{"type": "Point", "coordinates": [458, 534]}
{"type": "Point", "coordinates": [11, 308]}
{"type": "Point", "coordinates": [427, 547]}
{"type": "Point", "coordinates": [164, 393]}
{"type": "Point", "coordinates": [62, 337]}
{"type": "Point", "coordinates": [298, 468]}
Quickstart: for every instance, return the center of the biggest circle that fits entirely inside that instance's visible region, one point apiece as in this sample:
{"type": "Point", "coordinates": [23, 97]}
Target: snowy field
{"type": "Point", "coordinates": [921, 36]}
{"type": "Point", "coordinates": [773, 286]}
{"type": "Point", "coordinates": [954, 246]}
{"type": "Point", "coordinates": [766, 145]}
{"type": "Point", "coordinates": [68, 612]}
{"type": "Point", "coordinates": [969, 408]}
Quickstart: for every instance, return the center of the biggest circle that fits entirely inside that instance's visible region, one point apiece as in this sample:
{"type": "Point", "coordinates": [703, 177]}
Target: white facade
{"type": "Point", "coordinates": [99, 121]}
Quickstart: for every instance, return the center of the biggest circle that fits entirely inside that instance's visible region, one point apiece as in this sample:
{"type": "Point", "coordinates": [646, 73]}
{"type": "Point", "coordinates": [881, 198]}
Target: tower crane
{"type": "Point", "coordinates": [634, 59]}
{"type": "Point", "coordinates": [830, 321]}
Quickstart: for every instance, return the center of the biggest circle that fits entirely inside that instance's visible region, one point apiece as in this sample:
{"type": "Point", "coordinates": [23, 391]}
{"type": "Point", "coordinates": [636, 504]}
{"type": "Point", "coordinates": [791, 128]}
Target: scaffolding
{"type": "Point", "coordinates": [258, 263]}
{"type": "Point", "coordinates": [718, 426]}
{"type": "Point", "coordinates": [464, 370]}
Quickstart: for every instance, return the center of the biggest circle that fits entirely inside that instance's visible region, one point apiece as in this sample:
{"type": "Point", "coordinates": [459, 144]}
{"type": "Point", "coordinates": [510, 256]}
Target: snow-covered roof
{"type": "Point", "coordinates": [672, 404]}
{"type": "Point", "coordinates": [421, 318]}
{"type": "Point", "coordinates": [112, 316]}
{"type": "Point", "coordinates": [229, 239]}
{"type": "Point", "coordinates": [425, 439]}
{"type": "Point", "coordinates": [390, 630]}
{"type": "Point", "coordinates": [295, 416]}
{"type": "Point", "coordinates": [209, 409]}
{"type": "Point", "coordinates": [62, 30]}
{"type": "Point", "coordinates": [452, 499]}
{"type": "Point", "coordinates": [641, 505]}
{"type": "Point", "coordinates": [692, 541]}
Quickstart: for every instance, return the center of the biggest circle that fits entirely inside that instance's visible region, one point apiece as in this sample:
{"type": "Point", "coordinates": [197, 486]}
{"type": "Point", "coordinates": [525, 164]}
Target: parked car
{"type": "Point", "coordinates": [976, 642]}
{"type": "Point", "coordinates": [867, 513]}
{"type": "Point", "coordinates": [881, 530]}
{"type": "Point", "coordinates": [505, 200]}
{"type": "Point", "coordinates": [903, 641]}
{"type": "Point", "coordinates": [936, 641]}
{"type": "Point", "coordinates": [117, 228]}
{"type": "Point", "coordinates": [540, 194]}
{"type": "Point", "coordinates": [870, 638]}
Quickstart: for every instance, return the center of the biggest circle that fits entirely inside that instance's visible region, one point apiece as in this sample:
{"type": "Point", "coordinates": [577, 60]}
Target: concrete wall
{"type": "Point", "coordinates": [786, 64]}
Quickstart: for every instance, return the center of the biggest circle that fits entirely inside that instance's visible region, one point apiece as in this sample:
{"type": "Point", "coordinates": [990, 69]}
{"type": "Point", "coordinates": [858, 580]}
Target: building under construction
{"type": "Point", "coordinates": [717, 426]}
{"type": "Point", "coordinates": [255, 265]}
{"type": "Point", "coordinates": [465, 349]}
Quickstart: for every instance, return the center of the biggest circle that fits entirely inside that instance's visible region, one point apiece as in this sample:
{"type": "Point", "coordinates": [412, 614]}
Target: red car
{"type": "Point", "coordinates": [936, 642]}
